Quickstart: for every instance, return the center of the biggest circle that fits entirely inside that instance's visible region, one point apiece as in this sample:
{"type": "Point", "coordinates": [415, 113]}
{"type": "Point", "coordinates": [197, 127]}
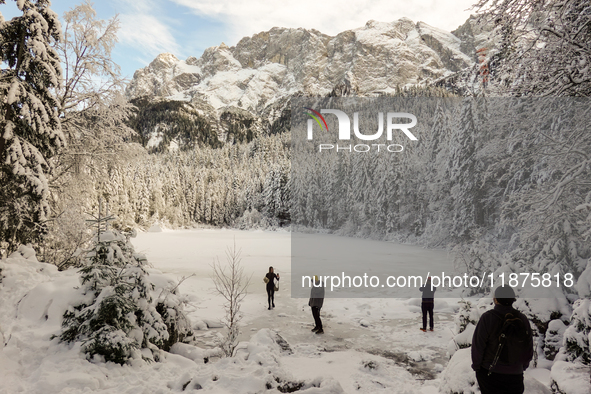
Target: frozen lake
{"type": "Point", "coordinates": [187, 252]}
{"type": "Point", "coordinates": [376, 325]}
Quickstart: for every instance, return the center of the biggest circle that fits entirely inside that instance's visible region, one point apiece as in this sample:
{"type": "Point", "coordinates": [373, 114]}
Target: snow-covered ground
{"type": "Point", "coordinates": [369, 345]}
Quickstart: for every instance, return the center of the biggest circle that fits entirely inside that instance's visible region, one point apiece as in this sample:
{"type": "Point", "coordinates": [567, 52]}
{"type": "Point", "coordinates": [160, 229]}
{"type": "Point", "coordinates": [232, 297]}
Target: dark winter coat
{"type": "Point", "coordinates": [486, 340]}
{"type": "Point", "coordinates": [316, 297]}
{"type": "Point", "coordinates": [428, 293]}
{"type": "Point", "coordinates": [271, 277]}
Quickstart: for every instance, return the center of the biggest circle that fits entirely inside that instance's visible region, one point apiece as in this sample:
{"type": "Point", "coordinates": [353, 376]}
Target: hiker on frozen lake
{"type": "Point", "coordinates": [316, 301]}
{"type": "Point", "coordinates": [502, 346]}
{"type": "Point", "coordinates": [427, 304]}
{"type": "Point", "coordinates": [270, 281]}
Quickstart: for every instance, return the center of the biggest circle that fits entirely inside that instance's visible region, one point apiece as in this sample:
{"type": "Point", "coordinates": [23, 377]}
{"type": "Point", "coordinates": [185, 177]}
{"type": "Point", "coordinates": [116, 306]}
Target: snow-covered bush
{"type": "Point", "coordinates": [66, 238]}
{"type": "Point", "coordinates": [170, 306]}
{"type": "Point", "coordinates": [577, 336]}
{"type": "Point", "coordinates": [570, 378]}
{"type": "Point", "coordinates": [570, 371]}
{"type": "Point", "coordinates": [118, 319]}
{"type": "Point", "coordinates": [465, 321]}
{"type": "Point", "coordinates": [458, 377]}
{"type": "Point", "coordinates": [465, 316]}
{"type": "Point", "coordinates": [542, 311]}
{"type": "Point", "coordinates": [26, 252]}
{"type": "Point", "coordinates": [553, 339]}
{"type": "Point", "coordinates": [464, 339]}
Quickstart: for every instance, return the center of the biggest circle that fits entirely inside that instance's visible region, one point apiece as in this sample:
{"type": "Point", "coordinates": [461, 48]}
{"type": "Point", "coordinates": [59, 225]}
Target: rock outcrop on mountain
{"type": "Point", "coordinates": [481, 41]}
{"type": "Point", "coordinates": [475, 35]}
{"type": "Point", "coordinates": [256, 78]}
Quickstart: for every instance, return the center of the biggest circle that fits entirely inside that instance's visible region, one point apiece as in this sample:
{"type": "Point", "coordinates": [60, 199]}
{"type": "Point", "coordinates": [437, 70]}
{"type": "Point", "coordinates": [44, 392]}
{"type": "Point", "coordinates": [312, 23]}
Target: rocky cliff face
{"type": "Point", "coordinates": [261, 72]}
{"type": "Point", "coordinates": [474, 35]}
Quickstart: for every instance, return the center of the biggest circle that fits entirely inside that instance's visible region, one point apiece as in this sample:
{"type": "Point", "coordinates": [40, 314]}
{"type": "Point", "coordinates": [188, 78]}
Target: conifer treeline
{"type": "Point", "coordinates": [207, 186]}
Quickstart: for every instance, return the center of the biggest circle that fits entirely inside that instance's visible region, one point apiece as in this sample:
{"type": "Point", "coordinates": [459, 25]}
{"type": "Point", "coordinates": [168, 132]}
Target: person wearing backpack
{"type": "Point", "coordinates": [269, 280]}
{"type": "Point", "coordinates": [502, 346]}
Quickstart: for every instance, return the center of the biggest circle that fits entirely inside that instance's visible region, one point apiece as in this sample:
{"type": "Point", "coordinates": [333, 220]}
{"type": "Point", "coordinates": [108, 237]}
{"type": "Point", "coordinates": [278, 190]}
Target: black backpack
{"type": "Point", "coordinates": [513, 340]}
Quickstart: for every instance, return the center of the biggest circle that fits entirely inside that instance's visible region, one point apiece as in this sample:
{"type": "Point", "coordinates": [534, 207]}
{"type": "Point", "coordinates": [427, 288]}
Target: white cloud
{"type": "Point", "coordinates": [147, 33]}
{"type": "Point", "coordinates": [144, 30]}
{"type": "Point", "coordinates": [329, 16]}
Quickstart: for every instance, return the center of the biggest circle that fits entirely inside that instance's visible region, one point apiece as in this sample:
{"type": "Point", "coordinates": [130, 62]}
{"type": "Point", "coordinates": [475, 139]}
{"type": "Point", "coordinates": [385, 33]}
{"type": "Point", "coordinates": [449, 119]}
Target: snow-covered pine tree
{"type": "Point", "coordinates": [270, 191]}
{"type": "Point", "coordinates": [118, 319]}
{"type": "Point", "coordinates": [547, 180]}
{"type": "Point", "coordinates": [29, 119]}
{"type": "Point", "coordinates": [276, 194]}
{"type": "Point", "coordinates": [437, 177]}
{"type": "Point", "coordinates": [439, 131]}
{"type": "Point", "coordinates": [463, 173]}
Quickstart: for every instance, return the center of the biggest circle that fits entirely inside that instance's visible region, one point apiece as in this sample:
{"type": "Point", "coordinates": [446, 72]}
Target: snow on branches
{"type": "Point", "coordinates": [119, 319]}
{"type": "Point", "coordinates": [30, 124]}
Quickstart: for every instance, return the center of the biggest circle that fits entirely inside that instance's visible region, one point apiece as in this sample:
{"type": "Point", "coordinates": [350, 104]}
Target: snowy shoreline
{"type": "Point", "coordinates": [369, 345]}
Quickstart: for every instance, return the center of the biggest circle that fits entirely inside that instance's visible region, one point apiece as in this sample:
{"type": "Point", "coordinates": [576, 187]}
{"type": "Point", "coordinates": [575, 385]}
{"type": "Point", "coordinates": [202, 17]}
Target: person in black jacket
{"type": "Point", "coordinates": [316, 302]}
{"type": "Point", "coordinates": [427, 304]}
{"type": "Point", "coordinates": [494, 374]}
{"type": "Point", "coordinates": [270, 281]}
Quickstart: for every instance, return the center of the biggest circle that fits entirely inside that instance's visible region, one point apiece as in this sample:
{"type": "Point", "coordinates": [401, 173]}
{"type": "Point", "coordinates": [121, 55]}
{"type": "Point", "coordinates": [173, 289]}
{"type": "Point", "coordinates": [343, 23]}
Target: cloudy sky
{"type": "Point", "coordinates": [186, 27]}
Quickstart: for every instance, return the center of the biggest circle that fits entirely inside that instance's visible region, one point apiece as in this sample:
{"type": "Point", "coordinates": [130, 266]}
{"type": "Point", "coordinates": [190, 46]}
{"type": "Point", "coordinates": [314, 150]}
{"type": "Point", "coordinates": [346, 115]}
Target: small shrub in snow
{"type": "Point", "coordinates": [232, 284]}
{"type": "Point", "coordinates": [466, 315]}
{"type": "Point", "coordinates": [464, 339]}
{"type": "Point", "coordinates": [170, 306]}
{"type": "Point", "coordinates": [553, 339]}
{"type": "Point", "coordinates": [577, 335]}
{"type": "Point", "coordinates": [465, 322]}
{"type": "Point", "coordinates": [118, 319]}
{"type": "Point", "coordinates": [25, 252]}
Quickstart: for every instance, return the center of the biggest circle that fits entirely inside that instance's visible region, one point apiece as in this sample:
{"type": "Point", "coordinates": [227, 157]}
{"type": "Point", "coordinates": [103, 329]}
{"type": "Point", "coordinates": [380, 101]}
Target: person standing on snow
{"type": "Point", "coordinates": [316, 301]}
{"type": "Point", "coordinates": [502, 346]}
{"type": "Point", "coordinates": [427, 304]}
{"type": "Point", "coordinates": [270, 281]}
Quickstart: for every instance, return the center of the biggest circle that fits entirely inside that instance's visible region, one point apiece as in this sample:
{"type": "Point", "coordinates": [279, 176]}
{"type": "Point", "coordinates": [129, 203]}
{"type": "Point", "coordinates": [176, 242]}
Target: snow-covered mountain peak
{"type": "Point", "coordinates": [396, 29]}
{"type": "Point", "coordinates": [164, 60]}
{"type": "Point", "coordinates": [218, 59]}
{"type": "Point", "coordinates": [275, 64]}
